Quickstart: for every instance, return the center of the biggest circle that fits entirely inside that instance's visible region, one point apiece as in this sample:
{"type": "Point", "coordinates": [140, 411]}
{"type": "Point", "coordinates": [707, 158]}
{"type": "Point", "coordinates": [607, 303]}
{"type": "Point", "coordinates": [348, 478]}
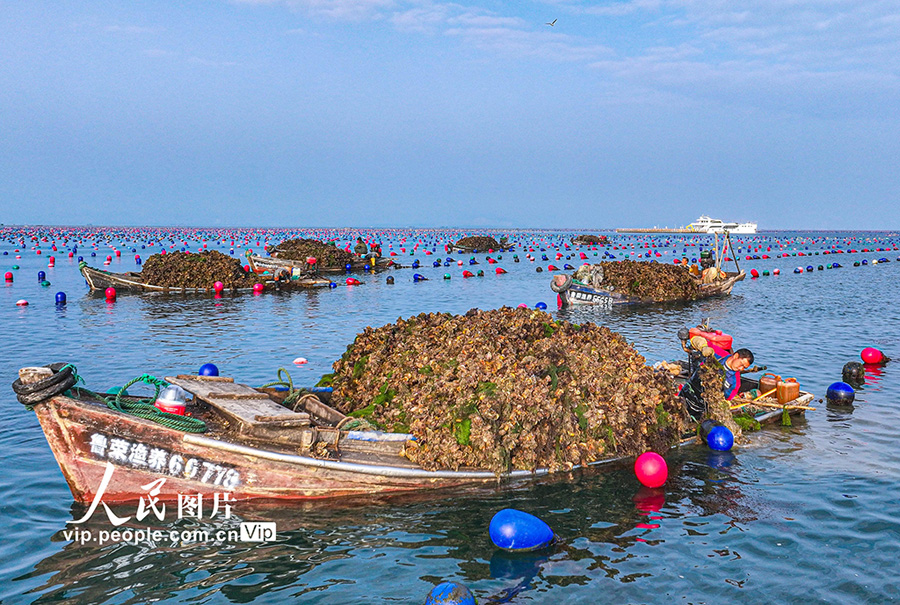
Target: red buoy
{"type": "Point", "coordinates": [872, 356]}
{"type": "Point", "coordinates": [110, 293]}
{"type": "Point", "coordinates": [651, 469]}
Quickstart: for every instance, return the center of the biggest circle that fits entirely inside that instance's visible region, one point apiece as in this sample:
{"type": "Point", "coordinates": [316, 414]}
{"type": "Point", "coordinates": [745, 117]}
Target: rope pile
{"type": "Point", "coordinates": [66, 378]}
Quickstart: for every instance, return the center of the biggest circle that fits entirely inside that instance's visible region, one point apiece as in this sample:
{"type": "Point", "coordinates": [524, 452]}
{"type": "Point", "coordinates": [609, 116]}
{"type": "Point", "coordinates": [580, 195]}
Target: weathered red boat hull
{"type": "Point", "coordinates": [85, 437]}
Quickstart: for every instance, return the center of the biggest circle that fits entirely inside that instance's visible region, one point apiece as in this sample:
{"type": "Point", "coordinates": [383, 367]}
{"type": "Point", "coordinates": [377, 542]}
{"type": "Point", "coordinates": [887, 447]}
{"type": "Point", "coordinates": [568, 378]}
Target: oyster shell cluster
{"type": "Point", "coordinates": [507, 389]}
{"type": "Point", "coordinates": [657, 282]}
{"type": "Point", "coordinates": [326, 254]}
{"type": "Point", "coordinates": [196, 270]}
{"type": "Point", "coordinates": [586, 239]}
{"type": "Point", "coordinates": [479, 242]}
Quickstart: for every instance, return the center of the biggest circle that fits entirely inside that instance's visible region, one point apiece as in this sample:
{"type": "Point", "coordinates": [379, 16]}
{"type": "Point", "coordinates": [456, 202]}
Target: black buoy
{"type": "Point", "coordinates": [854, 373]}
{"type": "Point", "coordinates": [390, 279]}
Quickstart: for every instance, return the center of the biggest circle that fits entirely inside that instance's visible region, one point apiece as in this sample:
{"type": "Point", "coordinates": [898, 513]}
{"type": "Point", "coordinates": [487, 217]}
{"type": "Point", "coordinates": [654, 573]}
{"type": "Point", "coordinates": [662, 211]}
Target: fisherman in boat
{"type": "Point", "coordinates": [732, 366]}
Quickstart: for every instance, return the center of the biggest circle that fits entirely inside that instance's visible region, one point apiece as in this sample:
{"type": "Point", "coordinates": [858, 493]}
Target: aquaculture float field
{"type": "Point", "coordinates": [806, 513]}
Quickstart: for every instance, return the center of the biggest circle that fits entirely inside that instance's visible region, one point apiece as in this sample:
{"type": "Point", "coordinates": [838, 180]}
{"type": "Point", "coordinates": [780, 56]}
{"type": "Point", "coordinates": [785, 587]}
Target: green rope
{"type": "Point", "coordinates": [144, 408]}
{"type": "Point", "coordinates": [286, 381]}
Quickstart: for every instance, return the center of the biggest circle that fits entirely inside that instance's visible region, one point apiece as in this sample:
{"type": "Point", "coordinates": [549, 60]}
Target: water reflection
{"type": "Point", "coordinates": [323, 545]}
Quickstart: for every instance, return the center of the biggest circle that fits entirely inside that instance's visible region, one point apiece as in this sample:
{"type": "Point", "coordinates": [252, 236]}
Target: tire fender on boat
{"type": "Point", "coordinates": [560, 283]}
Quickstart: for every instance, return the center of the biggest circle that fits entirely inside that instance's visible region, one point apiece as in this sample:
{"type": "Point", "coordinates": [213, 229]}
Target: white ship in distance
{"type": "Point", "coordinates": [705, 224]}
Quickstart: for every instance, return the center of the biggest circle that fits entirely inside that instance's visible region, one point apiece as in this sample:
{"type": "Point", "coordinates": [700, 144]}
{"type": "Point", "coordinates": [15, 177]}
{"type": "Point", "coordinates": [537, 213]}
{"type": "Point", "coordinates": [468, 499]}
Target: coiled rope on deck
{"type": "Point", "coordinates": [65, 377]}
{"type": "Point", "coordinates": [285, 381]}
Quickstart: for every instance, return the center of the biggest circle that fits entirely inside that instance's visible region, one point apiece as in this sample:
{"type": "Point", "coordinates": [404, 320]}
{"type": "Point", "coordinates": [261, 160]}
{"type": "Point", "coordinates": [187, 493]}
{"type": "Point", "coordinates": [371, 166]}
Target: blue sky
{"type": "Point", "coordinates": [416, 113]}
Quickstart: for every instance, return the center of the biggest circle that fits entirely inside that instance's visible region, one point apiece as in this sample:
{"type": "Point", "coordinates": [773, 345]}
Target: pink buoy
{"type": "Point", "coordinates": [872, 356]}
{"type": "Point", "coordinates": [257, 288]}
{"type": "Point", "coordinates": [218, 287]}
{"type": "Point", "coordinates": [352, 281]}
{"type": "Point", "coordinates": [8, 276]}
{"type": "Point", "coordinates": [22, 303]}
{"type": "Point", "coordinates": [651, 469]}
{"type": "Point", "coordinates": [500, 270]}
{"type": "Point", "coordinates": [110, 293]}
{"type": "Point", "coordinates": [300, 361]}
{"type": "Point", "coordinates": [468, 274]}
{"type": "Point", "coordinates": [523, 306]}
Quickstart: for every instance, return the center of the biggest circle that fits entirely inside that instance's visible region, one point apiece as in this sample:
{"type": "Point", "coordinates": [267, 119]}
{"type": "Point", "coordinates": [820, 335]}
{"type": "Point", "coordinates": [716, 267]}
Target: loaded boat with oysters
{"type": "Point", "coordinates": [431, 401]}
{"type": "Point", "coordinates": [201, 272]}
{"type": "Point", "coordinates": [308, 256]}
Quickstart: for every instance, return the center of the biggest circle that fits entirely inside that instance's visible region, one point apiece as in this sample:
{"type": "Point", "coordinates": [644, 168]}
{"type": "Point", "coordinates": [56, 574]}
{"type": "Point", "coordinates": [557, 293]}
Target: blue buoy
{"type": "Point", "coordinates": [720, 439]}
{"type": "Point", "coordinates": [840, 393]}
{"type": "Point", "coordinates": [80, 259]}
{"type": "Point", "coordinates": [41, 276]}
{"type": "Point", "coordinates": [516, 531]}
{"type": "Point", "coordinates": [208, 369]}
{"type": "Point", "coordinates": [60, 298]}
{"type": "Point", "coordinates": [541, 305]}
{"type": "Point", "coordinates": [348, 267]}
{"type": "Point", "coordinates": [418, 277]}
{"type": "Point", "coordinates": [809, 268]}
{"type": "Point", "coordinates": [332, 285]}
{"type": "Point", "coordinates": [436, 264]}
{"type": "Point", "coordinates": [450, 593]}
{"type": "Point", "coordinates": [865, 262]}
{"type": "Point", "coordinates": [366, 267]}
{"type": "Point", "coordinates": [798, 270]}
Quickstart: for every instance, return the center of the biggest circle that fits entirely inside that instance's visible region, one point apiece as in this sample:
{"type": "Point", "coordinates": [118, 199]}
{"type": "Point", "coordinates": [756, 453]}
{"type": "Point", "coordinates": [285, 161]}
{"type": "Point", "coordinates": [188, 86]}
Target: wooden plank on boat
{"type": "Point", "coordinates": [243, 405]}
{"type": "Point", "coordinates": [206, 378]}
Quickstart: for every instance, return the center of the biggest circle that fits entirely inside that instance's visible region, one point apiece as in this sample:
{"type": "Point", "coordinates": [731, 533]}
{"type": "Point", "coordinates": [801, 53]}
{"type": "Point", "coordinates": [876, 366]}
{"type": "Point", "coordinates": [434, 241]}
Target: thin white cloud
{"type": "Point", "coordinates": [130, 29]}
{"type": "Point", "coordinates": [523, 43]}
{"type": "Point", "coordinates": [159, 53]}
{"type": "Point", "coordinates": [343, 10]}
{"type": "Point", "coordinates": [211, 62]}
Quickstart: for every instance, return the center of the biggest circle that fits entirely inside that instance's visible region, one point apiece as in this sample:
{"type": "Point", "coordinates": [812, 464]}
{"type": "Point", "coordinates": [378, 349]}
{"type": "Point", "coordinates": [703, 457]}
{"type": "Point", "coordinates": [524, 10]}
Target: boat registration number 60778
{"type": "Point", "coordinates": [134, 454]}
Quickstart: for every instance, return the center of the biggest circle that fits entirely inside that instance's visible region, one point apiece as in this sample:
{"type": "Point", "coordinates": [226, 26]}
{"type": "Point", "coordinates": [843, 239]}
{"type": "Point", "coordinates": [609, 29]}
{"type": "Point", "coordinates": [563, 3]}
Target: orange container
{"type": "Point", "coordinates": [768, 382]}
{"type": "Point", "coordinates": [787, 390]}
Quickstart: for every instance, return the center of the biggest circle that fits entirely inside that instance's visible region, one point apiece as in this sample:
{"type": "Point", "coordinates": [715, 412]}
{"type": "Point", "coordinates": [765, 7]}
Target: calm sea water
{"type": "Point", "coordinates": [803, 514]}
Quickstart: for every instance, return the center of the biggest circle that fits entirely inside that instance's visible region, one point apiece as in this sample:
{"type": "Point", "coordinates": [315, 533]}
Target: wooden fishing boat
{"type": "Point", "coordinates": [272, 264]}
{"type": "Point", "coordinates": [254, 447]}
{"type": "Point", "coordinates": [99, 280]}
{"type": "Point", "coordinates": [573, 292]}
